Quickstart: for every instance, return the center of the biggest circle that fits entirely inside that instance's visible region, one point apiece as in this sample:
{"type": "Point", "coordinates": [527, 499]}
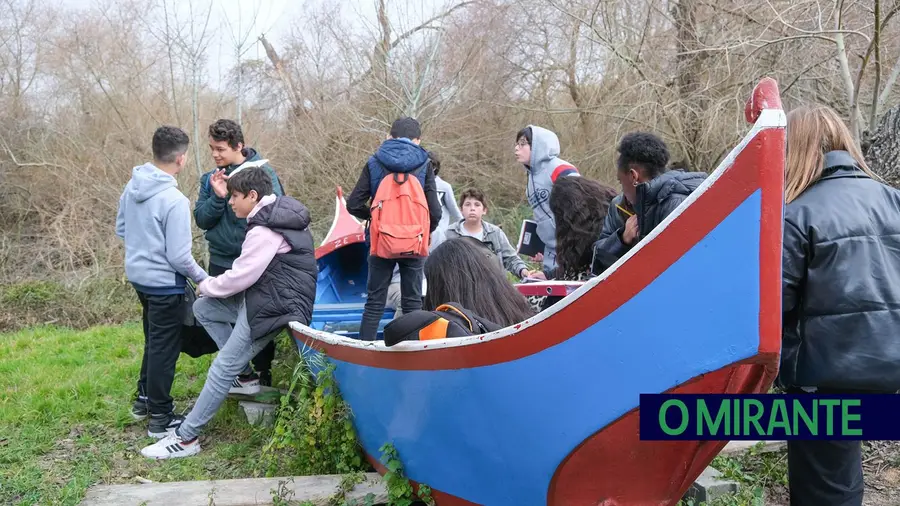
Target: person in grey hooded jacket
{"type": "Point", "coordinates": [154, 219]}
{"type": "Point", "coordinates": [650, 192]}
{"type": "Point", "coordinates": [538, 149]}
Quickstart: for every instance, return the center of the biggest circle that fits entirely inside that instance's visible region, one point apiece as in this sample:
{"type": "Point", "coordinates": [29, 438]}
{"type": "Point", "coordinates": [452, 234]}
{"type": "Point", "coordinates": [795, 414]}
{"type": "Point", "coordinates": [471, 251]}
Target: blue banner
{"type": "Point", "coordinates": [721, 417]}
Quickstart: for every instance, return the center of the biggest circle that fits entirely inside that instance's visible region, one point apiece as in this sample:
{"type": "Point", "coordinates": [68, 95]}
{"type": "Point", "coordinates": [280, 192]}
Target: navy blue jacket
{"type": "Point", "coordinates": [395, 156]}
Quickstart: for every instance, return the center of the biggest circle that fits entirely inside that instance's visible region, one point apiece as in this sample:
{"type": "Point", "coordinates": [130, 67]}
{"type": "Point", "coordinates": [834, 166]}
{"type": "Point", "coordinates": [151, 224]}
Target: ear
{"type": "Point", "coordinates": [240, 146]}
{"type": "Point", "coordinates": [416, 141]}
{"type": "Point", "coordinates": [253, 195]}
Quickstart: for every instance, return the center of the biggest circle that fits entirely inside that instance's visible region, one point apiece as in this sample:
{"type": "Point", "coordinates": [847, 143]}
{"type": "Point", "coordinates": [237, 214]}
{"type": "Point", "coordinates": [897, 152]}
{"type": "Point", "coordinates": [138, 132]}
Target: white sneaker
{"type": "Point", "coordinates": [245, 385]}
{"type": "Point", "coordinates": [171, 446]}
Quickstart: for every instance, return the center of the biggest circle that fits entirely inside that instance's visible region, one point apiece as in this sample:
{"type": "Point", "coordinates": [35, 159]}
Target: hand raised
{"type": "Point", "coordinates": [219, 183]}
{"type": "Point", "coordinates": [631, 230]}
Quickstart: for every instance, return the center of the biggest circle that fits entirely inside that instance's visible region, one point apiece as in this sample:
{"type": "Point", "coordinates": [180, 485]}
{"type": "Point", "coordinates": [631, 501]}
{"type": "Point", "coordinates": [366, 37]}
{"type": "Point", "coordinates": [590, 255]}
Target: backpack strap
{"type": "Point", "coordinates": [415, 326]}
{"type": "Point", "coordinates": [476, 324]}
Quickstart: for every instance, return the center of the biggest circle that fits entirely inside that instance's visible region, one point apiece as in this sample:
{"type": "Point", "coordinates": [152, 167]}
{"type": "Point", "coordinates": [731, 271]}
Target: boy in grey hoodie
{"type": "Point", "coordinates": [154, 219]}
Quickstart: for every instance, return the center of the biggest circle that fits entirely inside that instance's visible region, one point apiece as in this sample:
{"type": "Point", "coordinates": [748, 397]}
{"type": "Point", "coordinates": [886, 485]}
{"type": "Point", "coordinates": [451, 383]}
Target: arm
{"type": "Point", "coordinates": [120, 217]}
{"type": "Point", "coordinates": [610, 243]}
{"type": "Point", "coordinates": [793, 265]}
{"type": "Point", "coordinates": [450, 204]}
{"type": "Point", "coordinates": [179, 240]}
{"type": "Point", "coordinates": [358, 201]}
{"type": "Point", "coordinates": [434, 205]}
{"type": "Point", "coordinates": [511, 260]}
{"type": "Point", "coordinates": [209, 207]}
{"type": "Point", "coordinates": [259, 248]}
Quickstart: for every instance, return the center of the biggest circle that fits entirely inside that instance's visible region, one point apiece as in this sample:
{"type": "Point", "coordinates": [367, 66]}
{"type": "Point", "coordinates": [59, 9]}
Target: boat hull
{"type": "Point", "coordinates": [546, 411]}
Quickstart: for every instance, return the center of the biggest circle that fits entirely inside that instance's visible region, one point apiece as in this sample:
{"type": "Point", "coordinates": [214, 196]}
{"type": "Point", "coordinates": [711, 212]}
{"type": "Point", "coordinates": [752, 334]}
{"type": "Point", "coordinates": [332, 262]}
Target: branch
{"type": "Point", "coordinates": [889, 84]}
{"type": "Point", "coordinates": [426, 25]}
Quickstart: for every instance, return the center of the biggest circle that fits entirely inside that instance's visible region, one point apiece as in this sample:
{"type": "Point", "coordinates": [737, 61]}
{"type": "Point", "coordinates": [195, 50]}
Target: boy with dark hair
{"type": "Point", "coordinates": [399, 155]}
{"type": "Point", "coordinates": [154, 219]}
{"type": "Point", "coordinates": [225, 231]}
{"type": "Point", "coordinates": [650, 192]}
{"type": "Point", "coordinates": [272, 283]}
{"type": "Point", "coordinates": [538, 150]}
{"type": "Point", "coordinates": [474, 207]}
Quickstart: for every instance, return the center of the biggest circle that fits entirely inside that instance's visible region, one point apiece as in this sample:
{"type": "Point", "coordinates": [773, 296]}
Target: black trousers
{"type": "Point", "coordinates": [163, 318]}
{"type": "Point", "coordinates": [262, 362]}
{"type": "Point", "coordinates": [381, 270]}
{"type": "Point", "coordinates": [825, 473]}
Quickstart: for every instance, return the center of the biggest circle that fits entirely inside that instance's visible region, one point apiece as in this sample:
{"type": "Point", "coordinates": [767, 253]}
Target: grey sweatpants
{"type": "Point", "coordinates": [226, 322]}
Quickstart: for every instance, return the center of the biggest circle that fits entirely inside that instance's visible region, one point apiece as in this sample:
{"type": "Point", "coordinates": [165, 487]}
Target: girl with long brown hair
{"type": "Point", "coordinates": [463, 270]}
{"type": "Point", "coordinates": [840, 291]}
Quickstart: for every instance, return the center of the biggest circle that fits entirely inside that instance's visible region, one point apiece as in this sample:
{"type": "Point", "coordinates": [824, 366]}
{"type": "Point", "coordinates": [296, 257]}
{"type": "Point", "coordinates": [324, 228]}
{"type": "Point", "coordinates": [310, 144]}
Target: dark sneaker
{"type": "Point", "coordinates": [162, 425]}
{"type": "Point", "coordinates": [139, 409]}
{"type": "Point", "coordinates": [265, 378]}
{"type": "Point", "coordinates": [245, 385]}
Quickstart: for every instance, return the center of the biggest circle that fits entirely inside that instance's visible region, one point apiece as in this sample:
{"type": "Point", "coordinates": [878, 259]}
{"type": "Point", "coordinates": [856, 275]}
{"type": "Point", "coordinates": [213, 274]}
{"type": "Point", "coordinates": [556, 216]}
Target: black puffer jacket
{"type": "Point", "coordinates": [656, 199]}
{"type": "Point", "coordinates": [841, 283]}
{"type": "Point", "coordinates": [287, 289]}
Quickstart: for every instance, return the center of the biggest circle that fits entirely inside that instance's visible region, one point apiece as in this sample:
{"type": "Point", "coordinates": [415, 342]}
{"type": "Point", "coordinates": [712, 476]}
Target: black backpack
{"type": "Point", "coordinates": [448, 320]}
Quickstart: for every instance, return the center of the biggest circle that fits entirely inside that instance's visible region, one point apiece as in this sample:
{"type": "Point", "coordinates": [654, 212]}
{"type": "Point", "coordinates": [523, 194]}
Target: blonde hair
{"type": "Point", "coordinates": [813, 131]}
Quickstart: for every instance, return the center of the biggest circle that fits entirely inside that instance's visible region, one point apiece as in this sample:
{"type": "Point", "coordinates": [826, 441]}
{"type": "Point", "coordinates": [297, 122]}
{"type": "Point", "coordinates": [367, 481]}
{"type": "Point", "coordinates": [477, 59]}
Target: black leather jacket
{"type": "Point", "coordinates": [841, 283]}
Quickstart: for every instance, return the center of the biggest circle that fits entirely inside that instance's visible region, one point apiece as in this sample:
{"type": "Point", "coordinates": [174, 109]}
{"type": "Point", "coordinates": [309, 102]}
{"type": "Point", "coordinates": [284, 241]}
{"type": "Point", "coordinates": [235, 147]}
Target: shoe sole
{"type": "Point", "coordinates": [138, 417]}
{"type": "Point", "coordinates": [245, 390]}
{"type": "Point", "coordinates": [193, 450]}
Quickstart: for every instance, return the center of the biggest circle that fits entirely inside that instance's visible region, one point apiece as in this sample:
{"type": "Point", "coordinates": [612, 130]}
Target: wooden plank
{"type": "Point", "coordinates": [739, 447]}
{"type": "Point", "coordinates": [242, 492]}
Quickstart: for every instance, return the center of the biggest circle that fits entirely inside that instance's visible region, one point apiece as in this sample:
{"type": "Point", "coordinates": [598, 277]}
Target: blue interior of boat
{"type": "Point", "coordinates": [341, 292]}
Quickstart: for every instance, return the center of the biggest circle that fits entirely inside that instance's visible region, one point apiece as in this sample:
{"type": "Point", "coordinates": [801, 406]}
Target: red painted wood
{"type": "Point", "coordinates": [615, 468]}
{"type": "Point", "coordinates": [346, 230]}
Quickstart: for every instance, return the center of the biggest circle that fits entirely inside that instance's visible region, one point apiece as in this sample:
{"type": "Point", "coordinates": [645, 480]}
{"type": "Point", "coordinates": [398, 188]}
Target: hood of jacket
{"type": "Point", "coordinates": [544, 151]}
{"type": "Point", "coordinates": [401, 155]}
{"type": "Point", "coordinates": [148, 180]}
{"type": "Point", "coordinates": [672, 182]}
{"type": "Point", "coordinates": [280, 213]}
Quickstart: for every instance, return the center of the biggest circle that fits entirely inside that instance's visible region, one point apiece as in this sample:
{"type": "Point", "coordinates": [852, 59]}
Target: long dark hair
{"type": "Point", "coordinates": [579, 206]}
{"type": "Point", "coordinates": [461, 270]}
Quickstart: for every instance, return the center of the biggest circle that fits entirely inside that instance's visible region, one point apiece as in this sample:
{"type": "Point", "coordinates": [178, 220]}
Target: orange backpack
{"type": "Point", "coordinates": [401, 224]}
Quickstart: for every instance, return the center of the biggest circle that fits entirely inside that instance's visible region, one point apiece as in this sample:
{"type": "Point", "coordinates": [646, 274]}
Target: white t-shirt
{"type": "Point", "coordinates": [477, 235]}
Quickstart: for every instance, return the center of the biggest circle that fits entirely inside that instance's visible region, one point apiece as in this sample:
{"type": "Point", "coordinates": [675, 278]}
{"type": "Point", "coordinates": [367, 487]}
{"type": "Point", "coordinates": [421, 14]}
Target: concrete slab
{"type": "Point", "coordinates": [243, 492]}
{"type": "Point", "coordinates": [734, 448]}
{"type": "Point", "coordinates": [258, 413]}
{"type": "Point", "coordinates": [709, 485]}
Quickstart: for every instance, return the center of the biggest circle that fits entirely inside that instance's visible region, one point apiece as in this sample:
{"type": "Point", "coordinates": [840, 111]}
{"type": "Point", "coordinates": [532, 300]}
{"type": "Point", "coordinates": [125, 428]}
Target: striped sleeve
{"type": "Point", "coordinates": [563, 170]}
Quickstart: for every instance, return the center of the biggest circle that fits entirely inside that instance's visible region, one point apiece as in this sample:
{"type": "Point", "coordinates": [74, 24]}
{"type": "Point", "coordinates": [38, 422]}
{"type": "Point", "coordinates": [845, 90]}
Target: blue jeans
{"type": "Point", "coordinates": [226, 322]}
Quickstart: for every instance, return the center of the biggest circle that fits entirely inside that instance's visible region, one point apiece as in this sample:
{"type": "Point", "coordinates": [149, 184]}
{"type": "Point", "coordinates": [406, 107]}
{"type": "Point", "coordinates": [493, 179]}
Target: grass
{"type": "Point", "coordinates": [65, 397]}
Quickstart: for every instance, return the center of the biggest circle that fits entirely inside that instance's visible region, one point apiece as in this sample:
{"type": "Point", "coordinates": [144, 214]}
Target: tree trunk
{"type": "Point", "coordinates": [687, 80]}
{"type": "Point", "coordinates": [883, 150]}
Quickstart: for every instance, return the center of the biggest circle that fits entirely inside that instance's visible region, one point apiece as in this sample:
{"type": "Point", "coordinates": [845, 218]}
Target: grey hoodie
{"type": "Point", "coordinates": [449, 211]}
{"type": "Point", "coordinates": [544, 168]}
{"type": "Point", "coordinates": [154, 219]}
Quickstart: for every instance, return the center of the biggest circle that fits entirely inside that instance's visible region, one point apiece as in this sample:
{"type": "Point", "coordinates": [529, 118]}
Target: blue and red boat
{"type": "Point", "coordinates": [547, 411]}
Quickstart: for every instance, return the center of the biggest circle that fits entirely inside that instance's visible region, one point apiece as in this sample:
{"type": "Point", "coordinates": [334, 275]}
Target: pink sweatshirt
{"type": "Point", "coordinates": [259, 248]}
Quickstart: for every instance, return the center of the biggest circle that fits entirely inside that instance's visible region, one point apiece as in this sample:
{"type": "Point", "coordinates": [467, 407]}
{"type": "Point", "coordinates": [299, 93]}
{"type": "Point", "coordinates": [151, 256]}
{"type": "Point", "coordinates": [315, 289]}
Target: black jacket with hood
{"type": "Point", "coordinates": [286, 290]}
{"type": "Point", "coordinates": [841, 283]}
{"type": "Point", "coordinates": [656, 199]}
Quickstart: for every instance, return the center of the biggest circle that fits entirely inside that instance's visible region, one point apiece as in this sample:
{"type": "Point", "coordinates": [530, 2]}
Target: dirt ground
{"type": "Point", "coordinates": [881, 467]}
